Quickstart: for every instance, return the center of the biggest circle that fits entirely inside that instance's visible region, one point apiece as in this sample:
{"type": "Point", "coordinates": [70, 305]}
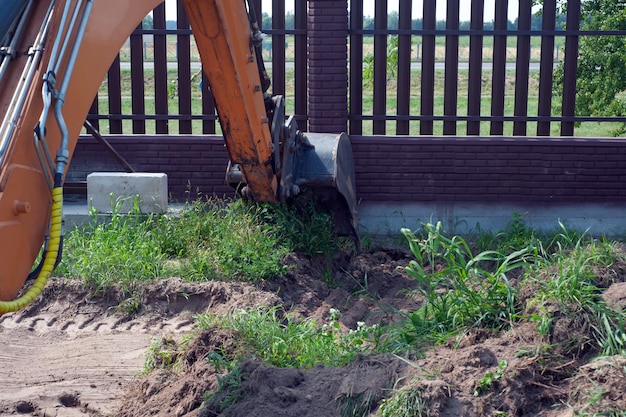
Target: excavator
{"type": "Point", "coordinates": [54, 55]}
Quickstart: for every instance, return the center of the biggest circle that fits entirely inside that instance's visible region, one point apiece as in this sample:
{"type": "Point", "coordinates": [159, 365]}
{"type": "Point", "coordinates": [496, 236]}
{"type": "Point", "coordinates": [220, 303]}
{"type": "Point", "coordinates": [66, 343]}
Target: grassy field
{"type": "Point", "coordinates": [590, 129]}
{"type": "Point", "coordinates": [368, 48]}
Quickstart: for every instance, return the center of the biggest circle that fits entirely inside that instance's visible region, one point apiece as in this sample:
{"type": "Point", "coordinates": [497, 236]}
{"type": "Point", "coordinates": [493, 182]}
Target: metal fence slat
{"type": "Point", "coordinates": [183, 58]}
{"type": "Point", "coordinates": [380, 67]}
{"type": "Point", "coordinates": [570, 65]}
{"type": "Point", "coordinates": [114, 94]}
{"type": "Point", "coordinates": [137, 81]}
{"type": "Point", "coordinates": [522, 64]}
{"type": "Point", "coordinates": [428, 69]}
{"type": "Point", "coordinates": [474, 82]}
{"type": "Point", "coordinates": [404, 68]}
{"type": "Point", "coordinates": [161, 95]}
{"type": "Point", "coordinates": [300, 64]}
{"type": "Point", "coordinates": [498, 71]}
{"type": "Point", "coordinates": [451, 77]}
{"type": "Point", "coordinates": [356, 66]}
{"type": "Point", "coordinates": [544, 106]}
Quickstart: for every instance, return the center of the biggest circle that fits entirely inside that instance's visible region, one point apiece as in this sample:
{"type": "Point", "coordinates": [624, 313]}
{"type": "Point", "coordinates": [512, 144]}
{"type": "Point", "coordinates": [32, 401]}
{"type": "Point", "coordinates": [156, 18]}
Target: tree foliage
{"type": "Point", "coordinates": [147, 22]}
{"type": "Point", "coordinates": [601, 73]}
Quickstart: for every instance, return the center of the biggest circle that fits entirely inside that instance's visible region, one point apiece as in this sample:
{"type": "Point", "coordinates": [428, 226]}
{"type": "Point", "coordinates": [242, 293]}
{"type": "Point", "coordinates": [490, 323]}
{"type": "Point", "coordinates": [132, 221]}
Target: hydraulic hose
{"type": "Point", "coordinates": [50, 256]}
{"type": "Point", "coordinates": [53, 248]}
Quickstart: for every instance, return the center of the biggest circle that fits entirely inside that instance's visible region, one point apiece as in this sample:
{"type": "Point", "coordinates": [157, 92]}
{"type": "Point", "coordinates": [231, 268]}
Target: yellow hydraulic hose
{"type": "Point", "coordinates": [56, 219]}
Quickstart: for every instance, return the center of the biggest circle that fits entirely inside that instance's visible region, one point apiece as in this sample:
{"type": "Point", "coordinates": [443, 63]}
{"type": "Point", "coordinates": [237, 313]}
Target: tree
{"type": "Point", "coordinates": [266, 21]}
{"type": "Point", "coordinates": [391, 67]}
{"type": "Point", "coordinates": [147, 22]}
{"type": "Point", "coordinates": [601, 73]}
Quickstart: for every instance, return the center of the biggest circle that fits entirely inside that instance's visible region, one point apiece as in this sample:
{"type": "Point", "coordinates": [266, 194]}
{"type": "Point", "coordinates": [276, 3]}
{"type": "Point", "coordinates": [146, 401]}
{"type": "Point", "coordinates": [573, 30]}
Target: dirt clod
{"type": "Point", "coordinates": [69, 400]}
{"type": "Point", "coordinates": [24, 407]}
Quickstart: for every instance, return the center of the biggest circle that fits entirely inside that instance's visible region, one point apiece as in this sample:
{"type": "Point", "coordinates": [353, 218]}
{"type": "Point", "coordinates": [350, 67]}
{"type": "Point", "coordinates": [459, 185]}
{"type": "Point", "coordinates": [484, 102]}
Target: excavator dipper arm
{"type": "Point", "coordinates": [223, 35]}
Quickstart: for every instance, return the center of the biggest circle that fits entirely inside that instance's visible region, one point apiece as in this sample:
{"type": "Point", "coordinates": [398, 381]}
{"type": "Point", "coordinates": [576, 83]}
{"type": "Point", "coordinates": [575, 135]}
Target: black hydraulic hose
{"type": "Point", "coordinates": [256, 39]}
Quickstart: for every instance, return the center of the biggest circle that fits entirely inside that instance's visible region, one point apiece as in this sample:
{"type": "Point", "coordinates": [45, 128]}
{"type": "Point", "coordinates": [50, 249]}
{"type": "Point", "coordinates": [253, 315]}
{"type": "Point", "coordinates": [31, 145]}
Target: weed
{"type": "Point", "coordinates": [282, 340]}
{"type": "Point", "coordinates": [516, 235]}
{"type": "Point", "coordinates": [406, 402]}
{"type": "Point", "coordinates": [228, 393]}
{"type": "Point", "coordinates": [163, 353]}
{"type": "Point", "coordinates": [461, 290]}
{"type": "Point", "coordinates": [565, 282]}
{"type": "Point", "coordinates": [484, 383]}
{"type": "Point", "coordinates": [360, 405]}
{"type": "Point", "coordinates": [119, 251]}
{"type": "Point", "coordinates": [219, 362]}
{"type": "Point", "coordinates": [303, 227]}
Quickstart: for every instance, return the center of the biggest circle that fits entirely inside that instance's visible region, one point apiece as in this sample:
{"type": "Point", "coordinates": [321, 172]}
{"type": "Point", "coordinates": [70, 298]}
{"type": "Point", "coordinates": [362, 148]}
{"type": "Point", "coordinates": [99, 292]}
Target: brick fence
{"type": "Point", "coordinates": [425, 169]}
{"type": "Point", "coordinates": [520, 169]}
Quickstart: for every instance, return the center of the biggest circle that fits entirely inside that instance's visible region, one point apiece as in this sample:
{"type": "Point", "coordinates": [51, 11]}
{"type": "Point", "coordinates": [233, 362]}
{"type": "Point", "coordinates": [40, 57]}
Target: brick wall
{"type": "Point", "coordinates": [496, 169]}
{"type": "Point", "coordinates": [193, 165]}
{"type": "Point", "coordinates": [327, 58]}
{"type": "Point", "coordinates": [424, 169]}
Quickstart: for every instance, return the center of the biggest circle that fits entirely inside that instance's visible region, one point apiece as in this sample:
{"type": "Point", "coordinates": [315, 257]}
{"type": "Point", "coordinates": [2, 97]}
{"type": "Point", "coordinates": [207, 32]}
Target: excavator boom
{"type": "Point", "coordinates": [55, 55]}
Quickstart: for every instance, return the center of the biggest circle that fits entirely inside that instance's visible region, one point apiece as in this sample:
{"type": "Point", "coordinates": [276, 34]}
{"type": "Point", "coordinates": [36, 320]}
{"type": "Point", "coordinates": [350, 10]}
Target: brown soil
{"type": "Point", "coordinates": [73, 354]}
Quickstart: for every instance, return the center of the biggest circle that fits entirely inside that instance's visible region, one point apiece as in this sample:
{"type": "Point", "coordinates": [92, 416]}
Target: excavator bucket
{"type": "Point", "coordinates": [325, 167]}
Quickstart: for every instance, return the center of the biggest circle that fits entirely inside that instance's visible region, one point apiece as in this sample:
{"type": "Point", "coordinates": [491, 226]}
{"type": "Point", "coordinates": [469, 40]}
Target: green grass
{"type": "Point", "coordinates": [368, 48]}
{"type": "Point", "coordinates": [566, 281]}
{"type": "Point", "coordinates": [464, 284]}
{"type": "Point", "coordinates": [464, 288]}
{"type": "Point", "coordinates": [207, 240]}
{"type": "Point", "coordinates": [283, 340]}
{"type": "Point", "coordinates": [476, 288]}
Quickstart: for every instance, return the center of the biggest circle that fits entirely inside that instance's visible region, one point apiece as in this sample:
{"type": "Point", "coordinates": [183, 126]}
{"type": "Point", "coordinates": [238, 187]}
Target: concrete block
{"type": "Point", "coordinates": [149, 188]}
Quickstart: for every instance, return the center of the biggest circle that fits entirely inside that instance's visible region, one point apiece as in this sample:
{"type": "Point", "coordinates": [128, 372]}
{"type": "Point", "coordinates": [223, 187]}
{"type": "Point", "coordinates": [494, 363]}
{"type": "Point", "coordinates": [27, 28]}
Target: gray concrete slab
{"type": "Point", "coordinates": [387, 219]}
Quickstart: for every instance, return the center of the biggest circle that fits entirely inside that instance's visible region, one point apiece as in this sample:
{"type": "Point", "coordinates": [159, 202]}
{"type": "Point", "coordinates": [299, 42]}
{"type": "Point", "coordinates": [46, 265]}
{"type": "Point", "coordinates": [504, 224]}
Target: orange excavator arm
{"type": "Point", "coordinates": [59, 52]}
{"type": "Point", "coordinates": [223, 35]}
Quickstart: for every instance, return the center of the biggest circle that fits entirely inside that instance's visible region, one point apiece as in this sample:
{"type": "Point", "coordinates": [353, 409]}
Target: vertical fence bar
{"type": "Point", "coordinates": [380, 67]}
{"type": "Point", "coordinates": [522, 64]}
{"type": "Point", "coordinates": [160, 70]}
{"type": "Point", "coordinates": [546, 60]}
{"type": "Point", "coordinates": [138, 105]}
{"type": "Point", "coordinates": [257, 4]}
{"type": "Point", "coordinates": [183, 58]}
{"type": "Point", "coordinates": [114, 93]}
{"type": "Point", "coordinates": [498, 72]}
{"type": "Point", "coordinates": [404, 68]}
{"type": "Point", "coordinates": [451, 78]}
{"type": "Point", "coordinates": [93, 111]}
{"type": "Point", "coordinates": [474, 82]}
{"type": "Point", "coordinates": [278, 47]}
{"type": "Point", "coordinates": [356, 66]}
{"type": "Point", "coordinates": [208, 107]}
{"type": "Point", "coordinates": [300, 64]}
{"type": "Point", "coordinates": [427, 98]}
{"type": "Point", "coordinates": [570, 65]}
{"type": "Point", "coordinates": [208, 102]}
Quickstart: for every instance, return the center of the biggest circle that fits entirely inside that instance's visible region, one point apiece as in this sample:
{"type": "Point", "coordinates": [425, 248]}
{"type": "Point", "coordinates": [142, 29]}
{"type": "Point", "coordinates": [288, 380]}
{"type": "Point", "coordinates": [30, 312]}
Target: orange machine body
{"type": "Point", "coordinates": [222, 32]}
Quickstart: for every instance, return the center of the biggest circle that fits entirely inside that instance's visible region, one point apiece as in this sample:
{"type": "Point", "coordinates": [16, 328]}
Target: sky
{"type": "Point", "coordinates": [368, 8]}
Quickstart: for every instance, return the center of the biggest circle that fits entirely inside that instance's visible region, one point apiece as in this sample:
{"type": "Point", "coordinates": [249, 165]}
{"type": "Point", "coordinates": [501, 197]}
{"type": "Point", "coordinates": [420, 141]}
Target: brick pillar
{"type": "Point", "coordinates": [328, 65]}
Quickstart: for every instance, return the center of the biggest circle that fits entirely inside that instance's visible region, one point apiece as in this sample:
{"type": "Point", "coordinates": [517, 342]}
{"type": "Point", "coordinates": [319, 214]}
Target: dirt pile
{"type": "Point", "coordinates": [73, 354]}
